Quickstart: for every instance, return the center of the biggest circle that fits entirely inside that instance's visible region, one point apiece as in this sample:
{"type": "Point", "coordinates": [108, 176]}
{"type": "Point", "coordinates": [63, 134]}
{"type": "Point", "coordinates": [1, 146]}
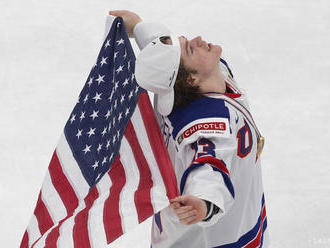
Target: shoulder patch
{"type": "Point", "coordinates": [208, 127]}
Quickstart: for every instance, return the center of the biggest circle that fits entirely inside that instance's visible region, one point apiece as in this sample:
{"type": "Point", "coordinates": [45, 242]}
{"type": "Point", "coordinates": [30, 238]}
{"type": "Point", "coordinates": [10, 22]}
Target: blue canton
{"type": "Point", "coordinates": [105, 106]}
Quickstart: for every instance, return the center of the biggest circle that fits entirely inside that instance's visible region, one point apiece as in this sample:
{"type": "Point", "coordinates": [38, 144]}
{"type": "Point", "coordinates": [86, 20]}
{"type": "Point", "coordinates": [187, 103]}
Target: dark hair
{"type": "Point", "coordinates": [184, 91]}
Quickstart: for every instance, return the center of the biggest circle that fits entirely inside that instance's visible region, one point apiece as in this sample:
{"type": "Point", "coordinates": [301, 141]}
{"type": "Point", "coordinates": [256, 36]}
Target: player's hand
{"type": "Point", "coordinates": [189, 209]}
{"type": "Point", "coordinates": [130, 19]}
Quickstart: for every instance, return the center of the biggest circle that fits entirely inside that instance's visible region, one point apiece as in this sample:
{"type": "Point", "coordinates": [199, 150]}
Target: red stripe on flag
{"type": "Point", "coordinates": [256, 242]}
{"type": "Point", "coordinates": [25, 240]}
{"type": "Point", "coordinates": [62, 185]}
{"type": "Point", "coordinates": [80, 228]}
{"type": "Point", "coordinates": [41, 212]}
{"type": "Point", "coordinates": [142, 196]}
{"type": "Point", "coordinates": [158, 146]}
{"type": "Point", "coordinates": [111, 216]}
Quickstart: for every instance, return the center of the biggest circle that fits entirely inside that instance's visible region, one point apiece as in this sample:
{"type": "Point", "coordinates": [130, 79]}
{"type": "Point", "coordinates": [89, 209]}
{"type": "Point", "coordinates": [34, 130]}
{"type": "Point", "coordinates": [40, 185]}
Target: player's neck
{"type": "Point", "coordinates": [214, 83]}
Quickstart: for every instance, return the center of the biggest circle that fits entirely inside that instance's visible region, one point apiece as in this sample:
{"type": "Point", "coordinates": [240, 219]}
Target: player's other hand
{"type": "Point", "coordinates": [130, 19]}
{"type": "Point", "coordinates": [189, 209]}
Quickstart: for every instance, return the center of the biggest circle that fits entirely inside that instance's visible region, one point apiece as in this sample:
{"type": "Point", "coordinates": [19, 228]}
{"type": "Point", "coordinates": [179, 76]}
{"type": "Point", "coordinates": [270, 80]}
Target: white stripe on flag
{"type": "Point", "coordinates": [97, 234]}
{"type": "Point", "coordinates": [71, 168]}
{"type": "Point", "coordinates": [128, 213]}
{"type": "Point", "coordinates": [52, 200]}
{"type": "Point", "coordinates": [158, 190]}
{"type": "Point", "coordinates": [33, 230]}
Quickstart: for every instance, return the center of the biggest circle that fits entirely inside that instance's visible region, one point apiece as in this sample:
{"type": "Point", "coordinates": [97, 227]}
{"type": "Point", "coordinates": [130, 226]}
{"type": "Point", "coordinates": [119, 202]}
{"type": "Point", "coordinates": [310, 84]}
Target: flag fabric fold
{"type": "Point", "coordinates": [110, 170]}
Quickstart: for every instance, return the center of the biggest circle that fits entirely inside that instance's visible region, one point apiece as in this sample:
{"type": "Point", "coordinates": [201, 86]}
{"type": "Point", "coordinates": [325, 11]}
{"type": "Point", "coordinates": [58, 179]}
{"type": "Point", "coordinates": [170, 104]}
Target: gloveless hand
{"type": "Point", "coordinates": [189, 209]}
{"type": "Point", "coordinates": [130, 19]}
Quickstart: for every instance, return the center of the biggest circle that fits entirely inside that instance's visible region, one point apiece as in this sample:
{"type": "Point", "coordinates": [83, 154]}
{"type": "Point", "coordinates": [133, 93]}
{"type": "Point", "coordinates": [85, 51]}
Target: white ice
{"type": "Point", "coordinates": [279, 52]}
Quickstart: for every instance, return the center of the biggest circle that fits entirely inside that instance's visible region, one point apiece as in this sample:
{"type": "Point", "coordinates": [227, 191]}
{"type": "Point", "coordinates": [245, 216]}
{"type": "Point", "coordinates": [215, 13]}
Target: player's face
{"type": "Point", "coordinates": [200, 56]}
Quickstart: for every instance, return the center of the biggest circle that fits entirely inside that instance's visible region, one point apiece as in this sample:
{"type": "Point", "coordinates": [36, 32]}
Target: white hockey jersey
{"type": "Point", "coordinates": [213, 144]}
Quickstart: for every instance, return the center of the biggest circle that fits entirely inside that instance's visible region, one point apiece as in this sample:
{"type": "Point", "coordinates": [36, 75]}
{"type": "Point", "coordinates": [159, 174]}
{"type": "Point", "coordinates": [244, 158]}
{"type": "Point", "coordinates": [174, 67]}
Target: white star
{"type": "Point", "coordinates": [126, 82]}
{"type": "Point", "coordinates": [107, 43]}
{"type": "Point", "coordinates": [104, 160]}
{"type": "Point", "coordinates": [127, 112]}
{"type": "Point", "coordinates": [120, 68]}
{"type": "Point", "coordinates": [114, 121]}
{"type": "Point", "coordinates": [111, 95]}
{"type": "Point", "coordinates": [120, 116]}
{"type": "Point", "coordinates": [85, 99]}
{"type": "Point", "coordinates": [79, 133]}
{"type": "Point", "coordinates": [73, 118]}
{"type": "Point", "coordinates": [104, 131]}
{"type": "Point", "coordinates": [111, 157]}
{"type": "Point", "coordinates": [108, 114]}
{"type": "Point", "coordinates": [122, 99]}
{"type": "Point", "coordinates": [82, 116]}
{"type": "Point", "coordinates": [99, 148]}
{"type": "Point", "coordinates": [118, 134]}
{"type": "Point", "coordinates": [115, 55]}
{"type": "Point", "coordinates": [97, 97]}
{"type": "Point", "coordinates": [100, 79]}
{"type": "Point", "coordinates": [95, 165]}
{"type": "Point", "coordinates": [114, 140]}
{"type": "Point", "coordinates": [90, 82]}
{"type": "Point", "coordinates": [116, 85]}
{"type": "Point", "coordinates": [95, 114]}
{"type": "Point", "coordinates": [91, 132]}
{"type": "Point", "coordinates": [130, 95]}
{"type": "Point", "coordinates": [104, 61]}
{"type": "Point", "coordinates": [121, 41]}
{"type": "Point", "coordinates": [108, 144]}
{"type": "Point", "coordinates": [87, 149]}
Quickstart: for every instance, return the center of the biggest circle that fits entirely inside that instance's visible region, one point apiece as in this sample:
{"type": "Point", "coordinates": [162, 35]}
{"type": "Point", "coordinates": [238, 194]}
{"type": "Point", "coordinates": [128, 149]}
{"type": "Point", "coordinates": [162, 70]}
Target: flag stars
{"type": "Point", "coordinates": [87, 148]}
{"type": "Point", "coordinates": [132, 77]}
{"type": "Point", "coordinates": [99, 147]}
{"type": "Point", "coordinates": [122, 99]}
{"type": "Point", "coordinates": [73, 118]}
{"type": "Point", "coordinates": [119, 42]}
{"type": "Point", "coordinates": [100, 79]}
{"type": "Point", "coordinates": [118, 134]}
{"type": "Point", "coordinates": [107, 114]}
{"type": "Point", "coordinates": [95, 165]}
{"type": "Point", "coordinates": [108, 144]}
{"type": "Point", "coordinates": [114, 139]}
{"type": "Point", "coordinates": [129, 65]}
{"type": "Point", "coordinates": [120, 116]}
{"type": "Point", "coordinates": [91, 132]}
{"type": "Point", "coordinates": [104, 160]}
{"type": "Point", "coordinates": [125, 82]}
{"type": "Point", "coordinates": [120, 68]}
{"type": "Point", "coordinates": [79, 133]}
{"type": "Point", "coordinates": [104, 61]}
{"type": "Point", "coordinates": [107, 44]}
{"type": "Point", "coordinates": [97, 97]}
{"type": "Point", "coordinates": [115, 55]}
{"type": "Point", "coordinates": [130, 95]}
{"type": "Point", "coordinates": [115, 104]}
{"type": "Point", "coordinates": [104, 131]}
{"type": "Point", "coordinates": [90, 82]}
{"type": "Point", "coordinates": [111, 156]}
{"type": "Point", "coordinates": [125, 55]}
{"type": "Point", "coordinates": [127, 112]}
{"type": "Point", "coordinates": [85, 99]}
{"type": "Point", "coordinates": [82, 116]}
{"type": "Point", "coordinates": [94, 115]}
{"type": "Point", "coordinates": [116, 85]}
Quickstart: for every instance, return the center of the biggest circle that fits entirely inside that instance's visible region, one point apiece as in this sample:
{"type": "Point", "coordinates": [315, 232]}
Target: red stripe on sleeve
{"type": "Point", "coordinates": [214, 161]}
{"type": "Point", "coordinates": [41, 212]}
{"type": "Point", "coordinates": [80, 228]}
{"type": "Point", "coordinates": [25, 240]}
{"type": "Point", "coordinates": [142, 196]}
{"type": "Point", "coordinates": [158, 146]}
{"type": "Point", "coordinates": [111, 216]}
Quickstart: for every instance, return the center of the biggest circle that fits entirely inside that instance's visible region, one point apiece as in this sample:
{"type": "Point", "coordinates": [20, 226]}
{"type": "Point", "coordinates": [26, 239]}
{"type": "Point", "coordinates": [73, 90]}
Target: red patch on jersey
{"type": "Point", "coordinates": [216, 126]}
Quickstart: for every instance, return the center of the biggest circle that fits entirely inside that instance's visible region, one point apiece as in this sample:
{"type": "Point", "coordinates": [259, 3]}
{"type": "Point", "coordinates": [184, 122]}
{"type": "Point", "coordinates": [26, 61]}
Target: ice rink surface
{"type": "Point", "coordinates": [278, 50]}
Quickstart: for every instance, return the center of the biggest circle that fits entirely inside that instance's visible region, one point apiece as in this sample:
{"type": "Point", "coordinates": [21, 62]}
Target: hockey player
{"type": "Point", "coordinates": [212, 139]}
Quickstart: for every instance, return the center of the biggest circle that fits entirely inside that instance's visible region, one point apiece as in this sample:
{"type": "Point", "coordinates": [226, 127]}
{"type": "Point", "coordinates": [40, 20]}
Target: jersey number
{"type": "Point", "coordinates": [203, 147]}
{"type": "Point", "coordinates": [244, 136]}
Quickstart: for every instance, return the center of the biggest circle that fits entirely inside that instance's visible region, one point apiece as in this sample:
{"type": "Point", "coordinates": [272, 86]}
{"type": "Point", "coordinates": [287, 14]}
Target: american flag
{"type": "Point", "coordinates": [110, 170]}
